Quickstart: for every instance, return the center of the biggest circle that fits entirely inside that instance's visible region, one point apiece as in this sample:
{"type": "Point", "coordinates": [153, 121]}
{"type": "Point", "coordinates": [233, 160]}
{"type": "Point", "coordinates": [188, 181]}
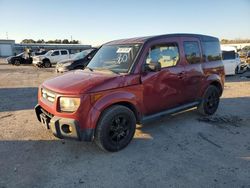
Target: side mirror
{"type": "Point", "coordinates": [153, 66]}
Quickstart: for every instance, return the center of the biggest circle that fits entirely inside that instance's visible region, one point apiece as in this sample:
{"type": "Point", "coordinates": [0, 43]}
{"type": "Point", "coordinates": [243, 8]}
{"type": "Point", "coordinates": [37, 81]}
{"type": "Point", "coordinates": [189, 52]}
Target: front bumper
{"type": "Point", "coordinates": [37, 63]}
{"type": "Point", "coordinates": [63, 127]}
{"type": "Point", "coordinates": [62, 69]}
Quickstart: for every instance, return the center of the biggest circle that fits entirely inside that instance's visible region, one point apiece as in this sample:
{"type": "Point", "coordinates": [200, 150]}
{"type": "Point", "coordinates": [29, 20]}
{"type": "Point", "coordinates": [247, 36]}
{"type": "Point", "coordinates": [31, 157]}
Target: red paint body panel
{"type": "Point", "coordinates": [147, 92]}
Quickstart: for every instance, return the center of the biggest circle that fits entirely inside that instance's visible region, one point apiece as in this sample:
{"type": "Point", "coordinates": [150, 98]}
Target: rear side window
{"type": "Point", "coordinates": [212, 51]}
{"type": "Point", "coordinates": [166, 54]}
{"type": "Point", "coordinates": [226, 55]}
{"type": "Point", "coordinates": [192, 52]}
{"type": "Point", "coordinates": [64, 52]}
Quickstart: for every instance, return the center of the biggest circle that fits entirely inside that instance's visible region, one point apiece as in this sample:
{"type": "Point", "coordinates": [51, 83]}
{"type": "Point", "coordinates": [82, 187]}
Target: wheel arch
{"type": "Point", "coordinates": [215, 80]}
{"type": "Point", "coordinates": [126, 99]}
{"type": "Point", "coordinates": [218, 85]}
{"type": "Point", "coordinates": [46, 59]}
{"type": "Point", "coordinates": [130, 106]}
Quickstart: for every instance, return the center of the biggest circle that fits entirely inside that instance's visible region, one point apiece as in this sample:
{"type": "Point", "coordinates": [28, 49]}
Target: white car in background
{"type": "Point", "coordinates": [231, 60]}
{"type": "Point", "coordinates": [51, 57]}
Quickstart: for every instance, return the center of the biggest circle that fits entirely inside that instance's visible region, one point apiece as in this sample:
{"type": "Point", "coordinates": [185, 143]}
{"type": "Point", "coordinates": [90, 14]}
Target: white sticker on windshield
{"type": "Point", "coordinates": [123, 50]}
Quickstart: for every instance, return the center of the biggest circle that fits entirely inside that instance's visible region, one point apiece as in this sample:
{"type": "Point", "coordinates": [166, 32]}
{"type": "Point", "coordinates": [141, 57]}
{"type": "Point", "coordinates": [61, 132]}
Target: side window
{"type": "Point", "coordinates": [192, 52]}
{"type": "Point", "coordinates": [166, 54]}
{"type": "Point", "coordinates": [64, 52]}
{"type": "Point", "coordinates": [226, 55]}
{"type": "Point", "coordinates": [212, 51]}
{"type": "Point", "coordinates": [55, 53]}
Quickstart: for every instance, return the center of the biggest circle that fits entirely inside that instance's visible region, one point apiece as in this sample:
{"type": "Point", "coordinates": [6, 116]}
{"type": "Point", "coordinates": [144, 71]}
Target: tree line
{"type": "Point", "coordinates": [57, 41]}
{"type": "Point", "coordinates": [226, 41]}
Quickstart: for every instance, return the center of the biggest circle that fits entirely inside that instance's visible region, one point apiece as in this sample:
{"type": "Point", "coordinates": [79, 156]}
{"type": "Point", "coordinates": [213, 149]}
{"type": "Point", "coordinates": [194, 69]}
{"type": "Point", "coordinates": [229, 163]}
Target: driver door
{"type": "Point", "coordinates": [55, 57]}
{"type": "Point", "coordinates": [163, 89]}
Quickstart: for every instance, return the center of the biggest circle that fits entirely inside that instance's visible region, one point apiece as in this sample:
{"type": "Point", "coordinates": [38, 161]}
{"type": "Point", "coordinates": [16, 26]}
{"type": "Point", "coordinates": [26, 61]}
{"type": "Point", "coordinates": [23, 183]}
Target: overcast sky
{"type": "Point", "coordinates": [98, 21]}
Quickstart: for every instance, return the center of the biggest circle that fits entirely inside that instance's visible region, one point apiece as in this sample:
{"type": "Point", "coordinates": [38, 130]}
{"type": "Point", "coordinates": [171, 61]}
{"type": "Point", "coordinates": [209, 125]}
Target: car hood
{"type": "Point", "coordinates": [84, 81]}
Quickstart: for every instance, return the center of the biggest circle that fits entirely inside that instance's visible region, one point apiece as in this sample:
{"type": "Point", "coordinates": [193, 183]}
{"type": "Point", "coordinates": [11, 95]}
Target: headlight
{"type": "Point", "coordinates": [69, 104]}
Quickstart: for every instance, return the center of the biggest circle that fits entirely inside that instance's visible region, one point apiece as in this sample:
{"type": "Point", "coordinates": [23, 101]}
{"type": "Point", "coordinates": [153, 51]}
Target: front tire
{"type": "Point", "coordinates": [115, 129]}
{"type": "Point", "coordinates": [210, 101]}
{"type": "Point", "coordinates": [47, 64]}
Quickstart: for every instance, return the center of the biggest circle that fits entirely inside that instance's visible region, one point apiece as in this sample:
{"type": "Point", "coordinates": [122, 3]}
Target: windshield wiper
{"type": "Point", "coordinates": [110, 70]}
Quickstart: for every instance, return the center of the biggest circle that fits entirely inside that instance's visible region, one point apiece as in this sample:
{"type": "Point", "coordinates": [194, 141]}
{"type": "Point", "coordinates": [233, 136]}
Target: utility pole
{"type": "Point", "coordinates": [71, 38]}
{"type": "Point", "coordinates": [7, 37]}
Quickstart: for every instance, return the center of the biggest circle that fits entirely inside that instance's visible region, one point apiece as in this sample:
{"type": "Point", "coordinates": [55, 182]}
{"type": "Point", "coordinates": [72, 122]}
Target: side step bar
{"type": "Point", "coordinates": [169, 111]}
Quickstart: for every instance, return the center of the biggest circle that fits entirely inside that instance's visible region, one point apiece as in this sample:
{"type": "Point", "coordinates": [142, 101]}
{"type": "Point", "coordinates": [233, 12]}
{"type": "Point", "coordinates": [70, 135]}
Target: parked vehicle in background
{"type": "Point", "coordinates": [79, 61]}
{"type": "Point", "coordinates": [22, 58]}
{"type": "Point", "coordinates": [231, 60]}
{"type": "Point", "coordinates": [51, 57]}
{"type": "Point", "coordinates": [248, 60]}
{"type": "Point", "coordinates": [243, 53]}
{"type": "Point", "coordinates": [133, 81]}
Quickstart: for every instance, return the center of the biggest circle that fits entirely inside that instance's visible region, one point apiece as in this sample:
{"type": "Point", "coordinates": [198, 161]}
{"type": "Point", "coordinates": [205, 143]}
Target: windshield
{"type": "Point", "coordinates": [116, 58]}
{"type": "Point", "coordinates": [82, 54]}
{"type": "Point", "coordinates": [48, 53]}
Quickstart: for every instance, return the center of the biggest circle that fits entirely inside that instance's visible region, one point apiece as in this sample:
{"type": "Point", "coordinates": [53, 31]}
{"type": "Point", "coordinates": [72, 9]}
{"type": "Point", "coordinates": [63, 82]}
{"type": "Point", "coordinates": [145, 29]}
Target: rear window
{"type": "Point", "coordinates": [212, 51]}
{"type": "Point", "coordinates": [226, 55]}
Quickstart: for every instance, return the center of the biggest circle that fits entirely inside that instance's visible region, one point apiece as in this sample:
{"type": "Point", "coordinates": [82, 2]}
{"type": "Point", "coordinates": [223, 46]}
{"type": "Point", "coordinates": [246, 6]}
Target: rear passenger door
{"type": "Point", "coordinates": [64, 54]}
{"type": "Point", "coordinates": [193, 67]}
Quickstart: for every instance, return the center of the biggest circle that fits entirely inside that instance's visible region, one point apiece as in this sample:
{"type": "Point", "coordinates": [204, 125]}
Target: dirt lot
{"type": "Point", "coordinates": [184, 150]}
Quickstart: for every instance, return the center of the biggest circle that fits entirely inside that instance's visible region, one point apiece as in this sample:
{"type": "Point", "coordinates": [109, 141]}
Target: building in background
{"type": "Point", "coordinates": [9, 47]}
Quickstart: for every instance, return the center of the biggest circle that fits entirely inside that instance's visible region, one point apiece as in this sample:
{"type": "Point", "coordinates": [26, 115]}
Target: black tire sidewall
{"type": "Point", "coordinates": [101, 135]}
{"type": "Point", "coordinates": [208, 92]}
{"type": "Point", "coordinates": [47, 63]}
{"type": "Point", "coordinates": [17, 62]}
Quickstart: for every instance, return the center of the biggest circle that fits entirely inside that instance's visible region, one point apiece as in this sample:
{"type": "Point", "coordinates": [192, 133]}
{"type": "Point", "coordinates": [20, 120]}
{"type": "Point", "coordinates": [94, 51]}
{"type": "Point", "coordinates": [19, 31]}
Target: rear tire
{"type": "Point", "coordinates": [115, 129]}
{"type": "Point", "coordinates": [210, 101]}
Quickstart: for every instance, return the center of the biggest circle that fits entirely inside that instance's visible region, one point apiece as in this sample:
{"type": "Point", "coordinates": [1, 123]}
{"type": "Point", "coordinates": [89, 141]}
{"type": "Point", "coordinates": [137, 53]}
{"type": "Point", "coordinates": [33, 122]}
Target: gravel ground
{"type": "Point", "coordinates": [184, 150]}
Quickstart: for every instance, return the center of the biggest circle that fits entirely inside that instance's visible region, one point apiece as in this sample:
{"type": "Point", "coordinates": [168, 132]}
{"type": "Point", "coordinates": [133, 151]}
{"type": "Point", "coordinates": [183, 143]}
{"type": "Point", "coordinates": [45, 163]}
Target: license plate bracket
{"type": "Point", "coordinates": [45, 120]}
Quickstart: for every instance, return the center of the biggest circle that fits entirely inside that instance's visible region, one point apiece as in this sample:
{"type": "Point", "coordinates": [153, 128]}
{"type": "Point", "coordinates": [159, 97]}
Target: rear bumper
{"type": "Point", "coordinates": [63, 127]}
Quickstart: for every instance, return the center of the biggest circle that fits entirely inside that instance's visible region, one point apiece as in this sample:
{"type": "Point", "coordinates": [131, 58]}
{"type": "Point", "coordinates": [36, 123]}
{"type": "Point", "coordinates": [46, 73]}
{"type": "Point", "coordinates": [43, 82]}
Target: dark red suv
{"type": "Point", "coordinates": [129, 82]}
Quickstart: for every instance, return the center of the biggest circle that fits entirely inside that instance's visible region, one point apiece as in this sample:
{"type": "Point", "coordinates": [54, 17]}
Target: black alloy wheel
{"type": "Point", "coordinates": [210, 101]}
{"type": "Point", "coordinates": [115, 129]}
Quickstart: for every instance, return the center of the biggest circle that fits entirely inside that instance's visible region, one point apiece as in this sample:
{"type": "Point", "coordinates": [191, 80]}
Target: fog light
{"type": "Point", "coordinates": [66, 128]}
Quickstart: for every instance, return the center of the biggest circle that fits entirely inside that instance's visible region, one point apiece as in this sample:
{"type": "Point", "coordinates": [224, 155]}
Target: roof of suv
{"type": "Point", "coordinates": [148, 38]}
